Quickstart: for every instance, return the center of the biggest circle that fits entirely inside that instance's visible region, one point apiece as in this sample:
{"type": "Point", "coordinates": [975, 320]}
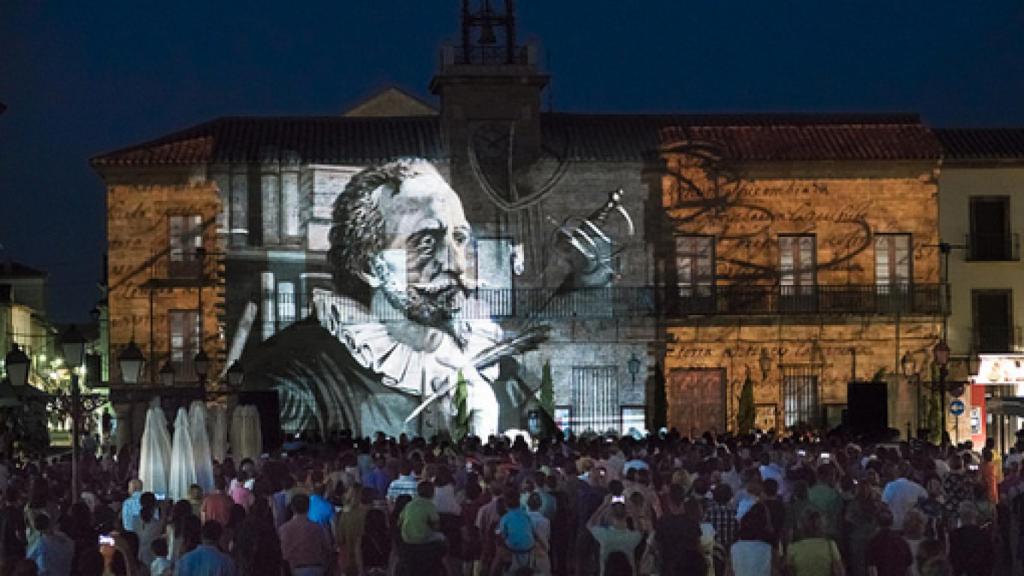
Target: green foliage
{"type": "Point", "coordinates": [745, 412]}
{"type": "Point", "coordinates": [461, 400]}
{"type": "Point", "coordinates": [547, 389]}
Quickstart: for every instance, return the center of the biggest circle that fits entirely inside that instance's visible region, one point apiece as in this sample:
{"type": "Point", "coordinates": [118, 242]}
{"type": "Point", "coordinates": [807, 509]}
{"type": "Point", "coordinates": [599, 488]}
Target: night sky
{"type": "Point", "coordinates": [82, 78]}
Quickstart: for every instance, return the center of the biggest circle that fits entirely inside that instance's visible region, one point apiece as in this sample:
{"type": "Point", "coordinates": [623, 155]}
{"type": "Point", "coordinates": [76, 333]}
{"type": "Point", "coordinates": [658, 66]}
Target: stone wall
{"type": "Point", "coordinates": [746, 210]}
{"type": "Point", "coordinates": [141, 292]}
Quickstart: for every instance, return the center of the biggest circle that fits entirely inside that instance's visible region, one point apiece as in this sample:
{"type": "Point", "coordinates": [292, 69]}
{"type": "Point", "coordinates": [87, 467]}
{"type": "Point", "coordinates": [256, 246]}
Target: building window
{"type": "Point", "coordinates": [695, 266]}
{"type": "Point", "coordinates": [801, 399]}
{"type": "Point", "coordinates": [892, 259]}
{"type": "Point", "coordinates": [285, 304]}
{"type": "Point", "coordinates": [993, 320]}
{"type": "Point", "coordinates": [186, 340]}
{"type": "Point", "coordinates": [990, 237]}
{"type": "Point", "coordinates": [595, 399]}
{"type": "Point", "coordinates": [185, 240]}
{"type": "Point", "coordinates": [797, 281]}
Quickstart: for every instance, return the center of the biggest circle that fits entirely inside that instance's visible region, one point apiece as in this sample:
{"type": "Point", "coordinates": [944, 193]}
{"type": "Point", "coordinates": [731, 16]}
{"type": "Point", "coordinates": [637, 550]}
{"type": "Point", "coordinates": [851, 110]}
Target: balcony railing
{"type": "Point", "coordinates": [651, 302]}
{"type": "Point", "coordinates": [487, 55]}
{"type": "Point", "coordinates": [992, 247]}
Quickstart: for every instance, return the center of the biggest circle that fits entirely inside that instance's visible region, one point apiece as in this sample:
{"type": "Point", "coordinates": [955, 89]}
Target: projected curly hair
{"type": "Point", "coordinates": [357, 230]}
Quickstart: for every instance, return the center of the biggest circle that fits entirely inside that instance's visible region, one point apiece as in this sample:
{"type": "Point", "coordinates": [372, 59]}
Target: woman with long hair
{"type": "Point", "coordinates": [147, 527]}
{"type": "Point", "coordinates": [180, 512]}
{"type": "Point", "coordinates": [814, 554]}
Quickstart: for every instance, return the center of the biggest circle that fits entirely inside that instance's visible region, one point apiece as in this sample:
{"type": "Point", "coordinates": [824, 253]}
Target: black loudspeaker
{"type": "Point", "coordinates": [867, 407]}
{"type": "Point", "coordinates": [269, 408]}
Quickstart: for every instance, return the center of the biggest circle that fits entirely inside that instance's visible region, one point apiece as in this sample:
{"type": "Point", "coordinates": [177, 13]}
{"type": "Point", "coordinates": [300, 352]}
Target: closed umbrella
{"type": "Point", "coordinates": [201, 445]}
{"type": "Point", "coordinates": [218, 429]}
{"type": "Point", "coordinates": [183, 464]}
{"type": "Point", "coordinates": [155, 457]}
{"type": "Point", "coordinates": [246, 436]}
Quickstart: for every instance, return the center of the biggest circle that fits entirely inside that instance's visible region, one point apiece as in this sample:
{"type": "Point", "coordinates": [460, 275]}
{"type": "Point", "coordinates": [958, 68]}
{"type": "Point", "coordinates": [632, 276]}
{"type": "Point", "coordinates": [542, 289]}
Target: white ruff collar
{"type": "Point", "coordinates": [400, 364]}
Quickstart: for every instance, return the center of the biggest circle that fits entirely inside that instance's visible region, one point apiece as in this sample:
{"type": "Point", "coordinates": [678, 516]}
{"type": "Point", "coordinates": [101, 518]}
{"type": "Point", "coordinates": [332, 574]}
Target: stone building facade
{"type": "Point", "coordinates": [263, 189]}
{"type": "Point", "coordinates": [803, 273]}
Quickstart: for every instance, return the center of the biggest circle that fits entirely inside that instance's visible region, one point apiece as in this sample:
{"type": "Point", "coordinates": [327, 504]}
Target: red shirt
{"type": "Point", "coordinates": [217, 506]}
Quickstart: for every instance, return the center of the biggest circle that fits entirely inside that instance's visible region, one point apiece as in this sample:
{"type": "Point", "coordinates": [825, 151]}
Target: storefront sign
{"type": "Point", "coordinates": [1000, 369]}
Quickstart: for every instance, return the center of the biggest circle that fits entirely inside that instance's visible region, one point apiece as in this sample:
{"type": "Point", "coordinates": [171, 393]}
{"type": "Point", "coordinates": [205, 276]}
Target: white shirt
{"type": "Point", "coordinates": [901, 495]}
{"type": "Point", "coordinates": [751, 558]}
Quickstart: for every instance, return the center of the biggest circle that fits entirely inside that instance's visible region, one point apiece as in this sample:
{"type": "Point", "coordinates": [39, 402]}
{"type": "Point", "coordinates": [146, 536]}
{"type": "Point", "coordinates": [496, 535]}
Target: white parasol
{"type": "Point", "coordinates": [201, 445]}
{"type": "Point", "coordinates": [183, 463]}
{"type": "Point", "coordinates": [155, 457]}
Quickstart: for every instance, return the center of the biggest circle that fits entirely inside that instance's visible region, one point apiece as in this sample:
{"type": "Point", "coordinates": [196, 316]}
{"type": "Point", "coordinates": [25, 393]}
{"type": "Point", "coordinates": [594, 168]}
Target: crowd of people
{"type": "Point", "coordinates": [662, 504]}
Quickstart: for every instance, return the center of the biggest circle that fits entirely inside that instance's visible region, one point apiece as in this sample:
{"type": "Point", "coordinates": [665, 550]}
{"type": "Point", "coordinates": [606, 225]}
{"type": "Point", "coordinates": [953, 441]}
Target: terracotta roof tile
{"type": "Point", "coordinates": [982, 143]}
{"type": "Point", "coordinates": [766, 137]}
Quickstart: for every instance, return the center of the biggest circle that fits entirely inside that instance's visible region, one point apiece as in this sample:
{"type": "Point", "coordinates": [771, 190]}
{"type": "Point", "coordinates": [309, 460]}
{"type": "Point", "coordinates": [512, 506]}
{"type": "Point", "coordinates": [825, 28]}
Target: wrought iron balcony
{"type": "Point", "coordinates": [644, 302]}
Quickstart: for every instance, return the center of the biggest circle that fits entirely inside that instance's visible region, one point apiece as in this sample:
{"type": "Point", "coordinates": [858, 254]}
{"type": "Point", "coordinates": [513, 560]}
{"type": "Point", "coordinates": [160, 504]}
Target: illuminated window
{"type": "Point", "coordinates": [184, 240]}
{"type": "Point", "coordinates": [892, 259]}
{"type": "Point", "coordinates": [186, 339]}
{"type": "Point", "coordinates": [796, 263]}
{"type": "Point", "coordinates": [595, 399]}
{"type": "Point", "coordinates": [695, 265]}
{"type": "Point", "coordinates": [285, 303]}
{"type": "Point", "coordinates": [801, 400]}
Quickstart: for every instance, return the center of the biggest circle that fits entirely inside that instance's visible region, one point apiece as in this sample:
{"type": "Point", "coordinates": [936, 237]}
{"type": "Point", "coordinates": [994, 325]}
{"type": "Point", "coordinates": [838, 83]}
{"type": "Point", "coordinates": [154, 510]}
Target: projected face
{"type": "Point", "coordinates": [424, 221]}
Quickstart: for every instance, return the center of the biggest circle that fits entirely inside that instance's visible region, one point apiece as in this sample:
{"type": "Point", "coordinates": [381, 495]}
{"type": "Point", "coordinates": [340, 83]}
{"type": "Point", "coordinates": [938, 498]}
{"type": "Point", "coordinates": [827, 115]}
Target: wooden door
{"type": "Point", "coordinates": [696, 400]}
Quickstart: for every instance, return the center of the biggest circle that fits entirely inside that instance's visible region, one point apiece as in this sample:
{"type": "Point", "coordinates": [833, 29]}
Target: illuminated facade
{"type": "Point", "coordinates": [806, 268]}
{"type": "Point", "coordinates": [821, 240]}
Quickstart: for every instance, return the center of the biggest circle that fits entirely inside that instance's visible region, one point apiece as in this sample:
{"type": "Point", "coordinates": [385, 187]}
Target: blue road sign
{"type": "Point", "coordinates": [956, 407]}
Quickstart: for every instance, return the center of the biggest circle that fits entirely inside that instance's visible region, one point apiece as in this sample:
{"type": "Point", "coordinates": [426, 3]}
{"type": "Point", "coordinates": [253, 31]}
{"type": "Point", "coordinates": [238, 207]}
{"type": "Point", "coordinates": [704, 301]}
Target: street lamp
{"type": "Point", "coordinates": [941, 355]}
{"type": "Point", "coordinates": [131, 361]}
{"type": "Point", "coordinates": [167, 375]}
{"type": "Point", "coordinates": [765, 363]}
{"type": "Point", "coordinates": [633, 365]}
{"type": "Point", "coordinates": [17, 363]}
{"type": "Point", "coordinates": [202, 365]}
{"type": "Point", "coordinates": [72, 346]}
{"type": "Point", "coordinates": [909, 369]}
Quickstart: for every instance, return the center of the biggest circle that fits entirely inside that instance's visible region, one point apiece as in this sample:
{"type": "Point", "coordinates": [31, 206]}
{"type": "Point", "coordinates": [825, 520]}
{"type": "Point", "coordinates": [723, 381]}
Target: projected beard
{"type": "Point", "coordinates": [414, 218]}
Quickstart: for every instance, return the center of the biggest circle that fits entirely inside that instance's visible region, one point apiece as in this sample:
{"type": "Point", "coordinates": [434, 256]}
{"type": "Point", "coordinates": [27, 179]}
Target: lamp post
{"type": "Point", "coordinates": [130, 362]}
{"type": "Point", "coordinates": [941, 355]}
{"type": "Point", "coordinates": [633, 365]}
{"type": "Point", "coordinates": [17, 363]}
{"type": "Point", "coordinates": [909, 369]}
{"type": "Point", "coordinates": [202, 366]}
{"type": "Point", "coordinates": [73, 348]}
{"type": "Point", "coordinates": [167, 375]}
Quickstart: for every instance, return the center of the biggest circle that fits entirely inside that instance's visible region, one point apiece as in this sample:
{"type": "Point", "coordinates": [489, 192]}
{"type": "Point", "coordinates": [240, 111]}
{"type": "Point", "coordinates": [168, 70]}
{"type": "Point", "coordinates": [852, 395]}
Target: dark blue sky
{"type": "Point", "coordinates": [80, 78]}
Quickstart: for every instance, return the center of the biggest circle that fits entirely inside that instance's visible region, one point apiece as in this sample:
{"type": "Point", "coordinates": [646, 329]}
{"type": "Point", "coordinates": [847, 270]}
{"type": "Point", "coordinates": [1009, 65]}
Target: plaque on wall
{"type": "Point", "coordinates": [766, 417]}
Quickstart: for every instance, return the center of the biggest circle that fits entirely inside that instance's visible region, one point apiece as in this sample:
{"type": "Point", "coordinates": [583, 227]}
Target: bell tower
{"type": "Point", "coordinates": [490, 90]}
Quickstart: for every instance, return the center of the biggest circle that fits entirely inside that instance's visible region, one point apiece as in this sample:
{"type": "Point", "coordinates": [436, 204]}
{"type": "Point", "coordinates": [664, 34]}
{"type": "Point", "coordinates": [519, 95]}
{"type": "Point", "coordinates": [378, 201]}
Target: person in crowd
{"type": "Point", "coordinates": [677, 537]}
{"type": "Point", "coordinates": [753, 554]}
{"type": "Point", "coordinates": [902, 494]}
{"type": "Point", "coordinates": [256, 547]}
{"type": "Point", "coordinates": [207, 559]}
{"type": "Point", "coordinates": [610, 529]}
{"type": "Point", "coordinates": [721, 514]}
{"type": "Point", "coordinates": [970, 546]}
{"type": "Point", "coordinates": [350, 526]}
{"type": "Point", "coordinates": [888, 553]}
{"type": "Point", "coordinates": [130, 506]}
{"type": "Point", "coordinates": [147, 527]}
{"type": "Point", "coordinates": [217, 505]}
{"type": "Point", "coordinates": [305, 547]}
{"type": "Point", "coordinates": [516, 550]}
{"type": "Point", "coordinates": [404, 484]}
{"type": "Point", "coordinates": [814, 554]}
{"type": "Point", "coordinates": [52, 552]}
{"type": "Point", "coordinates": [161, 565]}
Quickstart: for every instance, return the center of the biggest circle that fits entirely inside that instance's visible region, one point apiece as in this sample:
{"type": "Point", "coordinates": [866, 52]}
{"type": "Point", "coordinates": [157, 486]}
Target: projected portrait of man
{"type": "Point", "coordinates": [400, 248]}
